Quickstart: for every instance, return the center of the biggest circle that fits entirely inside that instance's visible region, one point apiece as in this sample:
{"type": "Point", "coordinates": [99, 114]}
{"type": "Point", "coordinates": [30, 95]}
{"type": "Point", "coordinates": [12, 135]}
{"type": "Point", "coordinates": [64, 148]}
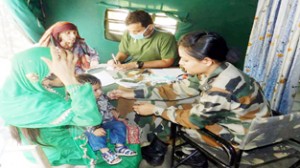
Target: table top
{"type": "Point", "coordinates": [137, 78]}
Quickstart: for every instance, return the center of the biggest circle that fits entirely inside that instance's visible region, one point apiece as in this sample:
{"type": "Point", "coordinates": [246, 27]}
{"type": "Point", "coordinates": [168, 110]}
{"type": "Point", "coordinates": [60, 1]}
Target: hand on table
{"type": "Point", "coordinates": [143, 108]}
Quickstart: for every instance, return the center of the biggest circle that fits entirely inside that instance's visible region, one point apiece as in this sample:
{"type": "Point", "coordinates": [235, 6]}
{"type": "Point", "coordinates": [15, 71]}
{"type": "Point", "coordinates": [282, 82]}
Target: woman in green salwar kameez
{"type": "Point", "coordinates": [47, 116]}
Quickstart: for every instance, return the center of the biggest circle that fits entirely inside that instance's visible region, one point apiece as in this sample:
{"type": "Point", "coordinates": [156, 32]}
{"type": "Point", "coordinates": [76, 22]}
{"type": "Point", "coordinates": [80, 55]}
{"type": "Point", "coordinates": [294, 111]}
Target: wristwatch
{"type": "Point", "coordinates": [140, 64]}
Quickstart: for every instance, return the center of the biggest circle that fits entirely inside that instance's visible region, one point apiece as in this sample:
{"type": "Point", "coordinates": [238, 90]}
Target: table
{"type": "Point", "coordinates": [141, 78]}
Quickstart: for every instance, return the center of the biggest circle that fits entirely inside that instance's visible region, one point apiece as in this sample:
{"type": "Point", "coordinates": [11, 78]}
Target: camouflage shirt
{"type": "Point", "coordinates": [227, 98]}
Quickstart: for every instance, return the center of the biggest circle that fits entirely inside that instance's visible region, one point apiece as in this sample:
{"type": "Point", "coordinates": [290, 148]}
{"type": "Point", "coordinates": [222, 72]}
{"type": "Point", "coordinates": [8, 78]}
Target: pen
{"type": "Point", "coordinates": [115, 60]}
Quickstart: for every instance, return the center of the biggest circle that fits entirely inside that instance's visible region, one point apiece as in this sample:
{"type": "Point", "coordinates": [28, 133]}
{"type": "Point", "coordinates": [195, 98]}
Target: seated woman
{"type": "Point", "coordinates": [55, 118]}
{"type": "Point", "coordinates": [228, 98]}
{"type": "Point", "coordinates": [65, 35]}
{"type": "Point", "coordinates": [47, 116]}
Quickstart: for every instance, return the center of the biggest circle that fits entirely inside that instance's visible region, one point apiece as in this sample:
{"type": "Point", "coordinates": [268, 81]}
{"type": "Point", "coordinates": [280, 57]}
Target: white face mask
{"type": "Point", "coordinates": [139, 36]}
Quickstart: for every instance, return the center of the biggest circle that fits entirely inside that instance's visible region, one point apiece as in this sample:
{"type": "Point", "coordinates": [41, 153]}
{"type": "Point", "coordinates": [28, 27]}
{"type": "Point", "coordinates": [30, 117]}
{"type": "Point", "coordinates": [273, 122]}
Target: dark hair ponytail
{"type": "Point", "coordinates": [207, 44]}
{"type": "Point", "coordinates": [233, 55]}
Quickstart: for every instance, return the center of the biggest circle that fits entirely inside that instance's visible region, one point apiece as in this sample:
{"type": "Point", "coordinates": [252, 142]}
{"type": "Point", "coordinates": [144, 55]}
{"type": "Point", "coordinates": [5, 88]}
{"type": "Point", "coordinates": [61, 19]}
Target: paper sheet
{"type": "Point", "coordinates": [105, 78]}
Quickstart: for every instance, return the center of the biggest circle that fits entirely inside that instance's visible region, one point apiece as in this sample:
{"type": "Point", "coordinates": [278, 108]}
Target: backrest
{"type": "Point", "coordinates": [266, 131]}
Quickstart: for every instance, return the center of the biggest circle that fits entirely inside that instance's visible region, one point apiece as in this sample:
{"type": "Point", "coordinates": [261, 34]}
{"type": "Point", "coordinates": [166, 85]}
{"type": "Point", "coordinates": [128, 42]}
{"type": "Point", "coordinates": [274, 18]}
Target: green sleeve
{"type": "Point", "coordinates": [83, 106]}
{"type": "Point", "coordinates": [168, 47]}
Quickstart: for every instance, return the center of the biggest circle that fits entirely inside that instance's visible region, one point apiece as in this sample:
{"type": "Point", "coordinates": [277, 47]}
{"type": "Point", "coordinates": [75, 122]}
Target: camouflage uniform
{"type": "Point", "coordinates": [227, 97]}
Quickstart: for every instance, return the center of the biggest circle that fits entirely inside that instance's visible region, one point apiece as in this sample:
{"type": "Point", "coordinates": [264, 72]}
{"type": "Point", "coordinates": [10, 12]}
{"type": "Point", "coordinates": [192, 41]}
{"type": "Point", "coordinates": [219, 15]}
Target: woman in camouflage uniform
{"type": "Point", "coordinates": [228, 98]}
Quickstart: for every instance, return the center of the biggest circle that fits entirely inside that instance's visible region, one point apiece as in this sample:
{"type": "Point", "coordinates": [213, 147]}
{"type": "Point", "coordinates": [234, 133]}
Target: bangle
{"type": "Point", "coordinates": [140, 64]}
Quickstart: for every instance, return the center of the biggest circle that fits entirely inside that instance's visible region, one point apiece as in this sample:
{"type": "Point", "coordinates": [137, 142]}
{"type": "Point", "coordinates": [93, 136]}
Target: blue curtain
{"type": "Point", "coordinates": [273, 51]}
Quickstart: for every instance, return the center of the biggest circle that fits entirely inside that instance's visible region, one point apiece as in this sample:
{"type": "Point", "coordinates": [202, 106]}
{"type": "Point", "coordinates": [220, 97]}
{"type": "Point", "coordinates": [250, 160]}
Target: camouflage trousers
{"type": "Point", "coordinates": [151, 125]}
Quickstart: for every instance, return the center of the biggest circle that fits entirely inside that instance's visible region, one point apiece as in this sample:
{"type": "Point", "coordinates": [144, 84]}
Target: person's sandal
{"type": "Point", "coordinates": [111, 158]}
{"type": "Point", "coordinates": [124, 151]}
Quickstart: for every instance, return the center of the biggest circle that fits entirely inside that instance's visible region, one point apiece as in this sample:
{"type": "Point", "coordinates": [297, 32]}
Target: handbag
{"type": "Point", "coordinates": [133, 133]}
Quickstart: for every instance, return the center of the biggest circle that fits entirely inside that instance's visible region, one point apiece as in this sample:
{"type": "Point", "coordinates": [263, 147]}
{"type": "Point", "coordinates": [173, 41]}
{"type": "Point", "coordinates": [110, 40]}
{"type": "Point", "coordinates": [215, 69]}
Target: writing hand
{"type": "Point", "coordinates": [124, 67]}
{"type": "Point", "coordinates": [113, 63]}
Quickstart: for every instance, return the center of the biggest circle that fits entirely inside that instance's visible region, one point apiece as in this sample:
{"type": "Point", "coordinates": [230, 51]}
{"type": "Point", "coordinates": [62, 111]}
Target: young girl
{"type": "Point", "coordinates": [117, 129]}
{"type": "Point", "coordinates": [65, 35]}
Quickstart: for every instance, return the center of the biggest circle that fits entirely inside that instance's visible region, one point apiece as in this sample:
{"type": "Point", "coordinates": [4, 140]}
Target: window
{"type": "Point", "coordinates": [163, 22]}
{"type": "Point", "coordinates": [115, 23]}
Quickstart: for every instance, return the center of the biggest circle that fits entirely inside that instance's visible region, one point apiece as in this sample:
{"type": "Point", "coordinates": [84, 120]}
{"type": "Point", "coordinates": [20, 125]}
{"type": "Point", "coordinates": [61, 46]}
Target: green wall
{"type": "Point", "coordinates": [231, 18]}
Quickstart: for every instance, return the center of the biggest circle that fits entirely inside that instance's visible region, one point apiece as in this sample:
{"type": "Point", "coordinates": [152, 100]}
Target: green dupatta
{"type": "Point", "coordinates": [25, 103]}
